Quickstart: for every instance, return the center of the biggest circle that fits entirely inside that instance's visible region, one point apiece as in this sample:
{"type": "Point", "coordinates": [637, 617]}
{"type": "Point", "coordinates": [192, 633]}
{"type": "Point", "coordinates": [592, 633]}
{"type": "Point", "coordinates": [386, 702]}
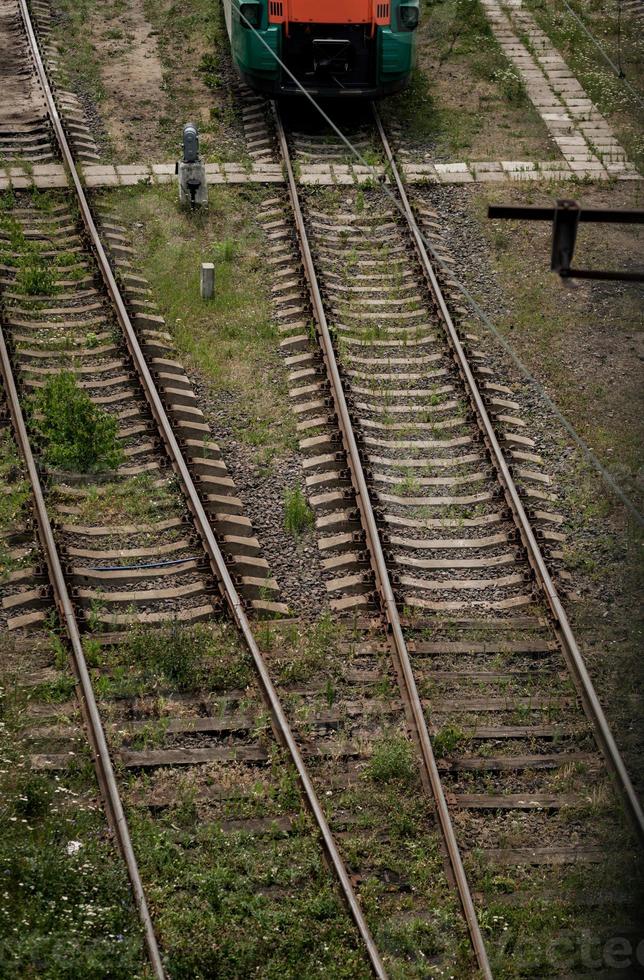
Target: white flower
{"type": "Point", "coordinates": [73, 847]}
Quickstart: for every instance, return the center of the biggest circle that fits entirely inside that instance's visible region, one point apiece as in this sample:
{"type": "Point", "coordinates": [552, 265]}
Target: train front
{"type": "Point", "coordinates": [332, 48]}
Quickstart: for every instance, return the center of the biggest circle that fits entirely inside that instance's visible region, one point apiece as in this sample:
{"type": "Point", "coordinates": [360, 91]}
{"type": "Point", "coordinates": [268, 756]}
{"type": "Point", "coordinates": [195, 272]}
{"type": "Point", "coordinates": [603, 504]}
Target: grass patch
{"type": "Point", "coordinates": [35, 278]}
{"type": "Point", "coordinates": [393, 760]}
{"type": "Point", "coordinates": [78, 435]}
{"type": "Point", "coordinates": [303, 654]}
{"type": "Point", "coordinates": [180, 658]}
{"type": "Point", "coordinates": [604, 87]}
{"type": "Point", "coordinates": [137, 500]}
{"type": "Point", "coordinates": [583, 343]}
{"type": "Point", "coordinates": [228, 903]}
{"type": "Point", "coordinates": [298, 516]}
{"type": "Point", "coordinates": [65, 906]}
{"type": "Point", "coordinates": [245, 904]}
{"type": "Point", "coordinates": [232, 339]}
{"type": "Point", "coordinates": [13, 498]}
{"type": "Point", "coordinates": [177, 655]}
{"type": "Point", "coordinates": [447, 740]}
{"type": "Point", "coordinates": [193, 47]}
{"type": "Point", "coordinates": [466, 100]}
{"type": "Point", "coordinates": [79, 63]}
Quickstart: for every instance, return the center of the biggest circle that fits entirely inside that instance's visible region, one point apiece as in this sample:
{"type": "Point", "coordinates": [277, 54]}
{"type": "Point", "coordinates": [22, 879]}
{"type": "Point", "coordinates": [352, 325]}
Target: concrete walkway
{"type": "Point", "coordinates": [583, 136]}
{"type": "Point", "coordinates": [52, 176]}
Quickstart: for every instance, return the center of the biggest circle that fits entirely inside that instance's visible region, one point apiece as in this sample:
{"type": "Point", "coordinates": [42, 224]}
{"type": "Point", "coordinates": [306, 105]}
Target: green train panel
{"type": "Point", "coordinates": [332, 48]}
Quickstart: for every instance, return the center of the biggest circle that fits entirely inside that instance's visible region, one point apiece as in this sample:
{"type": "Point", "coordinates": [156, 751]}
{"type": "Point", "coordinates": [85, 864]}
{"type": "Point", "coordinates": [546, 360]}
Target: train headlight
{"type": "Point", "coordinates": [251, 14]}
{"type": "Point", "coordinates": [409, 15]}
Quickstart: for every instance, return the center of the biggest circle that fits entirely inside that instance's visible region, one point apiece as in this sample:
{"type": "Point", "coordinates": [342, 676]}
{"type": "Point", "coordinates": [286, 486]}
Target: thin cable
{"type": "Point", "coordinates": [620, 74]}
{"type": "Point", "coordinates": [568, 426]}
{"type": "Point", "coordinates": [131, 568]}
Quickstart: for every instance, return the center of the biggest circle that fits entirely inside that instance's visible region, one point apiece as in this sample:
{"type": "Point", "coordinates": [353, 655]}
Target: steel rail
{"type": "Point", "coordinates": [280, 723]}
{"type": "Point", "coordinates": [563, 630]}
{"type": "Point", "coordinates": [102, 761]}
{"type": "Point", "coordinates": [379, 566]}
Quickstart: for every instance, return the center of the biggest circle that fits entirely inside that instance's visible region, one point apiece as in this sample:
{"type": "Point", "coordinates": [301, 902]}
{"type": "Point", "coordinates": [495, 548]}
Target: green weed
{"type": "Point", "coordinates": [447, 740]}
{"type": "Point", "coordinates": [298, 516]}
{"type": "Point", "coordinates": [393, 761]}
{"type": "Point", "coordinates": [78, 435]}
{"type": "Point", "coordinates": [35, 278]}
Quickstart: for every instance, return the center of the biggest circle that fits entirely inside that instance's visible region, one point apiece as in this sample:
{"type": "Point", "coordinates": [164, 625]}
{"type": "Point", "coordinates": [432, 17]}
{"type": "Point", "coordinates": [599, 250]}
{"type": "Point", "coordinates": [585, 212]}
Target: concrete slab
{"type": "Point", "coordinates": [50, 182]}
{"type": "Point", "coordinates": [489, 167]}
{"type": "Point", "coordinates": [105, 180]}
{"type": "Point", "coordinates": [132, 168]}
{"type": "Point", "coordinates": [99, 170]}
{"type": "Point", "coordinates": [48, 170]}
{"type": "Point", "coordinates": [451, 168]}
{"type": "Point", "coordinates": [456, 177]}
{"type": "Point", "coordinates": [514, 166]}
{"type": "Point", "coordinates": [491, 176]}
{"type": "Point", "coordinates": [131, 180]}
{"type": "Point", "coordinates": [424, 178]}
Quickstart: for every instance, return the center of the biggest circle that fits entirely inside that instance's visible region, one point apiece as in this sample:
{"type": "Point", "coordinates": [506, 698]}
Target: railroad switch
{"type": "Point", "coordinates": [193, 186]}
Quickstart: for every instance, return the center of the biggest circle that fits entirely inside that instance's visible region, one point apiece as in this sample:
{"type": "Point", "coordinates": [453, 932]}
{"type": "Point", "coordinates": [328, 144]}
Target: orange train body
{"type": "Point", "coordinates": [376, 12]}
{"type": "Point", "coordinates": [339, 49]}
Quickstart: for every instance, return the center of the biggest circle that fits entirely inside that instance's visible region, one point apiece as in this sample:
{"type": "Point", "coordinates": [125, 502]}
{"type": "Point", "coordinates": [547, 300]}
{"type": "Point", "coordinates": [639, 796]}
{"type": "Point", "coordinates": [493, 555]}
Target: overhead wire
{"type": "Point", "coordinates": [580, 442]}
{"type": "Point", "coordinates": [616, 68]}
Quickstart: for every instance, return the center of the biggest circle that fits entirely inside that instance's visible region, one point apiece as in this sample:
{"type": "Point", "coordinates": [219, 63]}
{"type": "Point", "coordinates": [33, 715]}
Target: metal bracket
{"type": "Point", "coordinates": [565, 218]}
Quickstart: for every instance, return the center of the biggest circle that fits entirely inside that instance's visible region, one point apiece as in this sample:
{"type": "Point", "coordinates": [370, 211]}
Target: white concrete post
{"type": "Point", "coordinates": [207, 280]}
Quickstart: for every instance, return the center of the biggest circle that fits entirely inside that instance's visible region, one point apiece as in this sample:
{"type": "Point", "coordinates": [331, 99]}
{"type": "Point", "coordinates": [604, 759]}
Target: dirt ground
{"type": "Point", "coordinates": [143, 69]}
{"type": "Point", "coordinates": [466, 102]}
{"type": "Point", "coordinates": [132, 79]}
{"type": "Point", "coordinates": [583, 339]}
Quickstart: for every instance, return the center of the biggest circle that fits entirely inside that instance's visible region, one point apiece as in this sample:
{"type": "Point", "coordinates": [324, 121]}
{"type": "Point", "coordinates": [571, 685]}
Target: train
{"type": "Point", "coordinates": [334, 49]}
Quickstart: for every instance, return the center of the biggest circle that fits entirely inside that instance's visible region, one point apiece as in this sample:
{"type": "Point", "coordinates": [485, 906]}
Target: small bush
{"type": "Point", "coordinates": [79, 436]}
{"type": "Point", "coordinates": [298, 516]}
{"type": "Point", "coordinates": [393, 761]}
{"type": "Point", "coordinates": [7, 200]}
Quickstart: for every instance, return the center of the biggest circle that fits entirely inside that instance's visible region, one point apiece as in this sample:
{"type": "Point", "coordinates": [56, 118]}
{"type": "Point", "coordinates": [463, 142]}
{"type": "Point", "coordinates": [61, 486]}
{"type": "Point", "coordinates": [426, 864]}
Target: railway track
{"type": "Point", "coordinates": [334, 707]}
{"type": "Point", "coordinates": [109, 364]}
{"type": "Point", "coordinates": [111, 579]}
{"type": "Point", "coordinates": [403, 424]}
{"type": "Point", "coordinates": [141, 547]}
{"type": "Point", "coordinates": [24, 127]}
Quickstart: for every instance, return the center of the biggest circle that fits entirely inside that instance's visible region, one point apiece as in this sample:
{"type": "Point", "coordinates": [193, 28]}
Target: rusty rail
{"type": "Point", "coordinates": [413, 706]}
{"type": "Point", "coordinates": [218, 565]}
{"type": "Point", "coordinates": [102, 761]}
{"type": "Point", "coordinates": [562, 628]}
